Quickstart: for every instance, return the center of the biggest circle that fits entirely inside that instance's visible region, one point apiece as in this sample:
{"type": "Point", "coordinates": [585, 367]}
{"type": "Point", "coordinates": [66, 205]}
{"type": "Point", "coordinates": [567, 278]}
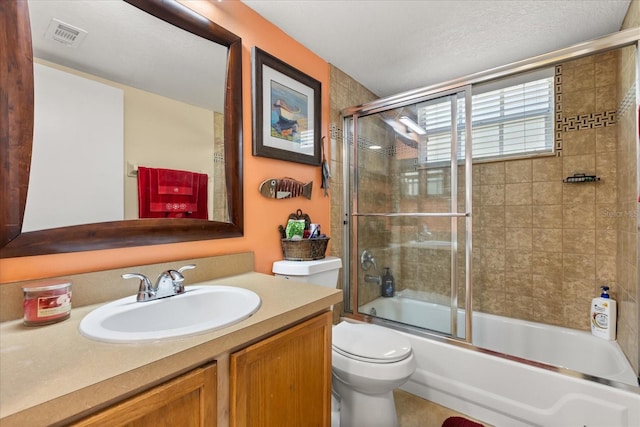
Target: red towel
{"type": "Point", "coordinates": [172, 202]}
{"type": "Point", "coordinates": [172, 181]}
{"type": "Point", "coordinates": [154, 204]}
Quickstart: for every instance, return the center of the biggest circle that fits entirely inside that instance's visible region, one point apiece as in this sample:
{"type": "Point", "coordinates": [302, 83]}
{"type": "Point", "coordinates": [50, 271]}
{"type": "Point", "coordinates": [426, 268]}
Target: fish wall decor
{"type": "Point", "coordinates": [285, 188]}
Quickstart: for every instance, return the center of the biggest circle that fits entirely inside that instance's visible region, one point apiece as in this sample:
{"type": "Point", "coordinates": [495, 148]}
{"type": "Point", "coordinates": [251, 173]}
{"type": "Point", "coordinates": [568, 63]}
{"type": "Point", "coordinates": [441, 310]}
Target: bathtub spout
{"type": "Point", "coordinates": [373, 279]}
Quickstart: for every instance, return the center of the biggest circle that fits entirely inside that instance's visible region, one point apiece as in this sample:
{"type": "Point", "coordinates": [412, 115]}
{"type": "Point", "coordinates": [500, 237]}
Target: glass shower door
{"type": "Point", "coordinates": [410, 213]}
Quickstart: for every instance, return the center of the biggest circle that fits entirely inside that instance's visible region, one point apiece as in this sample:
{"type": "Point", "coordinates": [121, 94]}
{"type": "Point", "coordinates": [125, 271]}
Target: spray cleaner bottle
{"type": "Point", "coordinates": [603, 316]}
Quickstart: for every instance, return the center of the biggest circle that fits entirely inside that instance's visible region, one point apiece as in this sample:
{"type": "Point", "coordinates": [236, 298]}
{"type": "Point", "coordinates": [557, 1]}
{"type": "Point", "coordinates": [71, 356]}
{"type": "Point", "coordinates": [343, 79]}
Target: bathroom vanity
{"type": "Point", "coordinates": [187, 400]}
{"type": "Point", "coordinates": [261, 368]}
{"type": "Point", "coordinates": [270, 382]}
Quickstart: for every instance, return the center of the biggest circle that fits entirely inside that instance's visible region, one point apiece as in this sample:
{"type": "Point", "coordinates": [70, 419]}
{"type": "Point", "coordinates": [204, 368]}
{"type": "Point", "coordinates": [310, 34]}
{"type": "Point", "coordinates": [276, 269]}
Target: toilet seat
{"type": "Point", "coordinates": [369, 343]}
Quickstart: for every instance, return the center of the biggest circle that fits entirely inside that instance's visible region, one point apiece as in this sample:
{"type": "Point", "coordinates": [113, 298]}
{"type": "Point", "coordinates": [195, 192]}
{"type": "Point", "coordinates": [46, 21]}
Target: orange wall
{"type": "Point", "coordinates": [262, 215]}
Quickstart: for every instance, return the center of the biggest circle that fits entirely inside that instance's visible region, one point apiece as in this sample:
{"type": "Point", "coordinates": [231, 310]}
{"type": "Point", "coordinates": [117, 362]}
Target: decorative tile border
{"type": "Point", "coordinates": [589, 121]}
{"type": "Point", "coordinates": [335, 133]}
{"type": "Point", "coordinates": [218, 157]}
{"type": "Point", "coordinates": [582, 121]}
{"type": "Point", "coordinates": [557, 93]}
{"type": "Point", "coordinates": [628, 101]}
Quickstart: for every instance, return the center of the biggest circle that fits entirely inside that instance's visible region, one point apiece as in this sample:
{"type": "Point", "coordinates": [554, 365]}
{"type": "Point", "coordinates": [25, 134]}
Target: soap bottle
{"type": "Point", "coordinates": [388, 283]}
{"type": "Point", "coordinates": [603, 316]}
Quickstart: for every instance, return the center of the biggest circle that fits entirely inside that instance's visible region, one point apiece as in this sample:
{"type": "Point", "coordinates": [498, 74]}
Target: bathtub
{"type": "Point", "coordinates": [517, 373]}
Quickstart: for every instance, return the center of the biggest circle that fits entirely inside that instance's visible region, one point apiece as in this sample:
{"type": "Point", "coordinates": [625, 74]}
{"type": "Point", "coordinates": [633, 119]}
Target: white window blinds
{"type": "Point", "coordinates": [514, 119]}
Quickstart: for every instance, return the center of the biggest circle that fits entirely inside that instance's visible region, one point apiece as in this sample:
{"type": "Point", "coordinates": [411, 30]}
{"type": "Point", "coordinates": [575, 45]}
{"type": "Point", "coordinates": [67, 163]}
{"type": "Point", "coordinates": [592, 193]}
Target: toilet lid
{"type": "Point", "coordinates": [370, 343]}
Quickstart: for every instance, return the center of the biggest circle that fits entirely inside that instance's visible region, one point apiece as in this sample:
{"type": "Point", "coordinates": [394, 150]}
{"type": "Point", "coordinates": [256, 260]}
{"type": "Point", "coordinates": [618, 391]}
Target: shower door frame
{"type": "Point", "coordinates": [352, 212]}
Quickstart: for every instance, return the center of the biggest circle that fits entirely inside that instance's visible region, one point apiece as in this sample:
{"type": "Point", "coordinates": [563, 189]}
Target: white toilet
{"type": "Point", "coordinates": [368, 361]}
{"type": "Point", "coordinates": [322, 272]}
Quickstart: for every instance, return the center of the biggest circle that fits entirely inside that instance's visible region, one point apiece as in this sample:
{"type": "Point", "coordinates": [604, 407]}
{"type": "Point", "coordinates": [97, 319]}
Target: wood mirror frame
{"type": "Point", "coordinates": [16, 138]}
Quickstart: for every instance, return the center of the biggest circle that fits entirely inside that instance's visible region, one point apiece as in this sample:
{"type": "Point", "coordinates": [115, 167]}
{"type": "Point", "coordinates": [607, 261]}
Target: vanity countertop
{"type": "Point", "coordinates": [50, 373]}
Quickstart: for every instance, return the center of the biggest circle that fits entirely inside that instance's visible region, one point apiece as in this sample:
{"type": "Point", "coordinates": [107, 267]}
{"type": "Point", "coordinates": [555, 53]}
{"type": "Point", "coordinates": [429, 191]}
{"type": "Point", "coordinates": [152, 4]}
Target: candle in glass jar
{"type": "Point", "coordinates": [46, 302]}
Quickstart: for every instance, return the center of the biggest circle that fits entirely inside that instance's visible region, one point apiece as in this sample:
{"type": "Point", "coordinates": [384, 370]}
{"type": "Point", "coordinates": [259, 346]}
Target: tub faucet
{"type": "Point", "coordinates": [367, 260]}
{"type": "Point", "coordinates": [373, 279]}
{"type": "Point", "coordinates": [169, 283]}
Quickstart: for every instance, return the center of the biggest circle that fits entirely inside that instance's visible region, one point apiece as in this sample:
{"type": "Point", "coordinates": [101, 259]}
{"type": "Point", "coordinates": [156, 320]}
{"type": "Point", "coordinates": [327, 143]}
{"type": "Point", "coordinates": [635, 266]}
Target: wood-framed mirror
{"type": "Point", "coordinates": [16, 139]}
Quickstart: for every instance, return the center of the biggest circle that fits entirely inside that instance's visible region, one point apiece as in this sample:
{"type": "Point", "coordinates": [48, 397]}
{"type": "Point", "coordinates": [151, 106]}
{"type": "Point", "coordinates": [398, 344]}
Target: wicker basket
{"type": "Point", "coordinates": [304, 249]}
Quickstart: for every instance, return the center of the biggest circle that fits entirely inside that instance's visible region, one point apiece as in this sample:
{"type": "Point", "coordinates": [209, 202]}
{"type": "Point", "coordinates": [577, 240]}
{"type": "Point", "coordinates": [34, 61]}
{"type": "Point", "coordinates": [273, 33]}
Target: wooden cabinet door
{"type": "Point", "coordinates": [186, 401]}
{"type": "Point", "coordinates": [284, 380]}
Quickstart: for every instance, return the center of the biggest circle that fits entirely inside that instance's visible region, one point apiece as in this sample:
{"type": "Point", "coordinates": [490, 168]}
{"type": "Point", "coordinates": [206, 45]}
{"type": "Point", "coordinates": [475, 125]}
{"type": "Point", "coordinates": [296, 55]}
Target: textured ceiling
{"type": "Point", "coordinates": [128, 46]}
{"type": "Point", "coordinates": [391, 46]}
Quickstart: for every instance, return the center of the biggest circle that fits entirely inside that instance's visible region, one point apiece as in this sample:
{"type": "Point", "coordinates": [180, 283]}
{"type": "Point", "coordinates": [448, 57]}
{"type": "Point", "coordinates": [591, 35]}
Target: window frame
{"type": "Point", "coordinates": [545, 114]}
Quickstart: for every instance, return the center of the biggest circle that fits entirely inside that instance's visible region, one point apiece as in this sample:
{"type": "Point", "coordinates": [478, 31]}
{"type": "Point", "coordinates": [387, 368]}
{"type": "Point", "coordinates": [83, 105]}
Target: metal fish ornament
{"type": "Point", "coordinates": [285, 188]}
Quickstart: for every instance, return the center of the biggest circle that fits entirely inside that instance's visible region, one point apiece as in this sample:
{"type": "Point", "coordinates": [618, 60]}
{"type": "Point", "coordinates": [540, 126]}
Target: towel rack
{"type": "Point", "coordinates": [132, 171]}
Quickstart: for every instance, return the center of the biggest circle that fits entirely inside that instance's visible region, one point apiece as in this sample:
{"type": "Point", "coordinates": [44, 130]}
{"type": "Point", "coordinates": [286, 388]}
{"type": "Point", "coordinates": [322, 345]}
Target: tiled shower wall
{"type": "Point", "coordinates": [220, 209]}
{"type": "Point", "coordinates": [627, 204]}
{"type": "Point", "coordinates": [542, 247]}
{"type": "Point", "coordinates": [345, 92]}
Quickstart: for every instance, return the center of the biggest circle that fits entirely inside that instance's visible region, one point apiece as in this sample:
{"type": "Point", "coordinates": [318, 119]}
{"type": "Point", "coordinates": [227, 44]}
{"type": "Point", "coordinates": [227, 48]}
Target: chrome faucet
{"type": "Point", "coordinates": [373, 279]}
{"type": "Point", "coordinates": [367, 261]}
{"type": "Point", "coordinates": [169, 283]}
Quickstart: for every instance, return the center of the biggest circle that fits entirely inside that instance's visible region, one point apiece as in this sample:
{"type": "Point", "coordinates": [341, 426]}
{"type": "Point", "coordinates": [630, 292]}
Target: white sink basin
{"type": "Point", "coordinates": [200, 309]}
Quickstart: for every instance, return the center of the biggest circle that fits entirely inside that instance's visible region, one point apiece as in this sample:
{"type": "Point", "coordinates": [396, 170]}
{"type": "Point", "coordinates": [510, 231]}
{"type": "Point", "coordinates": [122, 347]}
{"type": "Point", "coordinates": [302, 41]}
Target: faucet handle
{"type": "Point", "coordinates": [145, 289]}
{"type": "Point", "coordinates": [178, 279]}
{"type": "Point", "coordinates": [367, 260]}
{"type": "Point", "coordinates": [186, 267]}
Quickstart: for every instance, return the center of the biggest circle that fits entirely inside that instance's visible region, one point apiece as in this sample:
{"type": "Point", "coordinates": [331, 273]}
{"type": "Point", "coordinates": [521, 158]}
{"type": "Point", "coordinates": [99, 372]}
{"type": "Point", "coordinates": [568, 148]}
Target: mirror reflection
{"type": "Point", "coordinates": [118, 91]}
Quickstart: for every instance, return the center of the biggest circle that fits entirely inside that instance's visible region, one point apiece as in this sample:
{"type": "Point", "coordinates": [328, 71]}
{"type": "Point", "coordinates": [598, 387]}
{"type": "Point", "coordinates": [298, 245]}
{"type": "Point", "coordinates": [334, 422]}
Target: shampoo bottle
{"type": "Point", "coordinates": [388, 284]}
{"type": "Point", "coordinates": [603, 316]}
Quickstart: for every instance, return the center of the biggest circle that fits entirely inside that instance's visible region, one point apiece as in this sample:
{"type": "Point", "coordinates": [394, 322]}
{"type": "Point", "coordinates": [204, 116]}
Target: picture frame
{"type": "Point", "coordinates": [286, 111]}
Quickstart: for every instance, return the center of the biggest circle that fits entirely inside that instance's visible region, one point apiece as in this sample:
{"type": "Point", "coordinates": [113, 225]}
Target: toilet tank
{"type": "Point", "coordinates": [323, 272]}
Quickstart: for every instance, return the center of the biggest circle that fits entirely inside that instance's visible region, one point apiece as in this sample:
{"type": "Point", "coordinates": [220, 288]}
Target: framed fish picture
{"type": "Point", "coordinates": [286, 111]}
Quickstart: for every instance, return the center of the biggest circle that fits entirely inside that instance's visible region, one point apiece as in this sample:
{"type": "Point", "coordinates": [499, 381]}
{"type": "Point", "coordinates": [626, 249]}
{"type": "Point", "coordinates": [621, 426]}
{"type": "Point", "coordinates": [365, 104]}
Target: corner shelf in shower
{"type": "Point", "coordinates": [580, 177]}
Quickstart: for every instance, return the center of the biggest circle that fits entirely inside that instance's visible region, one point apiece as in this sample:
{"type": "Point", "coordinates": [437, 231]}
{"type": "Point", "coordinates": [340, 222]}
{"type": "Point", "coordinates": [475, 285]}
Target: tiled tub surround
{"type": "Point", "coordinates": [627, 209]}
{"type": "Point", "coordinates": [51, 373]}
{"type": "Point", "coordinates": [541, 247]}
{"type": "Point", "coordinates": [345, 92]}
{"type": "Point", "coordinates": [535, 237]}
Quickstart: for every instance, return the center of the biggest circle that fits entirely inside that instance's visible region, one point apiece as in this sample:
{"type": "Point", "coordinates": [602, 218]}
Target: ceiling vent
{"type": "Point", "coordinates": [64, 33]}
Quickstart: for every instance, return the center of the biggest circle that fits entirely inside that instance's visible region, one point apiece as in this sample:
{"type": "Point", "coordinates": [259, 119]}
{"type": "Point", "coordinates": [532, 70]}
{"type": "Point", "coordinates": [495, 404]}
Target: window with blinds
{"type": "Point", "coordinates": [509, 118]}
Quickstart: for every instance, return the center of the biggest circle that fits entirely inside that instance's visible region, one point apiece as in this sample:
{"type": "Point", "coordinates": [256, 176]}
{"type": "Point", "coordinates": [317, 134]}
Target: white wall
{"type": "Point", "coordinates": [76, 166]}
